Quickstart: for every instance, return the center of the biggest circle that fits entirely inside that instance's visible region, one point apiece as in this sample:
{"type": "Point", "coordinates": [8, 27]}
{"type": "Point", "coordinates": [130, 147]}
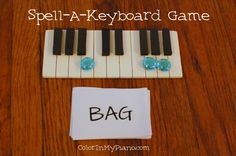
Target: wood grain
{"type": "Point", "coordinates": [26, 112]}
{"type": "Point", "coordinates": [5, 78]}
{"type": "Point", "coordinates": [26, 108]}
{"type": "Point", "coordinates": [195, 115]}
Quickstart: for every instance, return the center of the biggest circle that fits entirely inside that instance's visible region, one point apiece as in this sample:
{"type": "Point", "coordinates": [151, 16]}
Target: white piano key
{"type": "Point", "coordinates": [126, 59]}
{"type": "Point", "coordinates": [89, 53]}
{"type": "Point", "coordinates": [100, 69]}
{"type": "Point", "coordinates": [62, 60]}
{"type": "Point", "coordinates": [162, 74]}
{"type": "Point", "coordinates": [49, 60]}
{"type": "Point", "coordinates": [137, 59]}
{"type": "Point", "coordinates": [150, 73]}
{"type": "Point", "coordinates": [112, 60]}
{"type": "Point", "coordinates": [74, 60]}
{"type": "Point", "coordinates": [176, 69]}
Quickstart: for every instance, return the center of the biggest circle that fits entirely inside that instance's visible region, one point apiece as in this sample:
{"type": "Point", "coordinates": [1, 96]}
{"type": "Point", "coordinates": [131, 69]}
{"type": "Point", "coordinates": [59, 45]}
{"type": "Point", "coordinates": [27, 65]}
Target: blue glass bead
{"type": "Point", "coordinates": [149, 63]}
{"type": "Point", "coordinates": [163, 65]}
{"type": "Point", "coordinates": [87, 63]}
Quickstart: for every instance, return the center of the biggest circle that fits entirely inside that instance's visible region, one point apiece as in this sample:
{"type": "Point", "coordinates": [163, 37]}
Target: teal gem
{"type": "Point", "coordinates": [87, 63]}
{"type": "Point", "coordinates": [149, 63]}
{"type": "Point", "coordinates": [163, 65]}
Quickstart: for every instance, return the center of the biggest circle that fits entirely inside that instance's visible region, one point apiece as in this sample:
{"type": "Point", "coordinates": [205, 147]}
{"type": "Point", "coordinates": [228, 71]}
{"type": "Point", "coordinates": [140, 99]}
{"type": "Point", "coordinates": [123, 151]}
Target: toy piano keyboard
{"type": "Point", "coordinates": [115, 53]}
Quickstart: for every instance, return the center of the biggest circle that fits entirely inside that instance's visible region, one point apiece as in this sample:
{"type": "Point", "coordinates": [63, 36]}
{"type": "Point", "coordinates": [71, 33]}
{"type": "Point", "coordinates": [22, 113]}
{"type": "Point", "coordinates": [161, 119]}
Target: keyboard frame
{"type": "Point", "coordinates": [55, 66]}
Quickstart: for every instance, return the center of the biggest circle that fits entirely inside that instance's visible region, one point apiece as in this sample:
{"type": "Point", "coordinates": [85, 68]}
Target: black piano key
{"type": "Point", "coordinates": [105, 42]}
{"type": "Point", "coordinates": [155, 46]}
{"type": "Point", "coordinates": [57, 39]}
{"type": "Point", "coordinates": [70, 33]}
{"type": "Point", "coordinates": [82, 35]}
{"type": "Point", "coordinates": [119, 42]}
{"type": "Point", "coordinates": [143, 42]}
{"type": "Point", "coordinates": [166, 42]}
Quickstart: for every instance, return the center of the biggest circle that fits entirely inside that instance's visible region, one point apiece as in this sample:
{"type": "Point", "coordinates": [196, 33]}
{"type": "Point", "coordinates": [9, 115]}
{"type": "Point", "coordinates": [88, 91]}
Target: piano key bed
{"type": "Point", "coordinates": [116, 53]}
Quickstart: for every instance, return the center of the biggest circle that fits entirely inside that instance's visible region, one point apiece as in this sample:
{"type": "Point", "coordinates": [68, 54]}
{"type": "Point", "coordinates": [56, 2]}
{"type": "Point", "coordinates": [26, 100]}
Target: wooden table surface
{"type": "Point", "coordinates": [195, 115]}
